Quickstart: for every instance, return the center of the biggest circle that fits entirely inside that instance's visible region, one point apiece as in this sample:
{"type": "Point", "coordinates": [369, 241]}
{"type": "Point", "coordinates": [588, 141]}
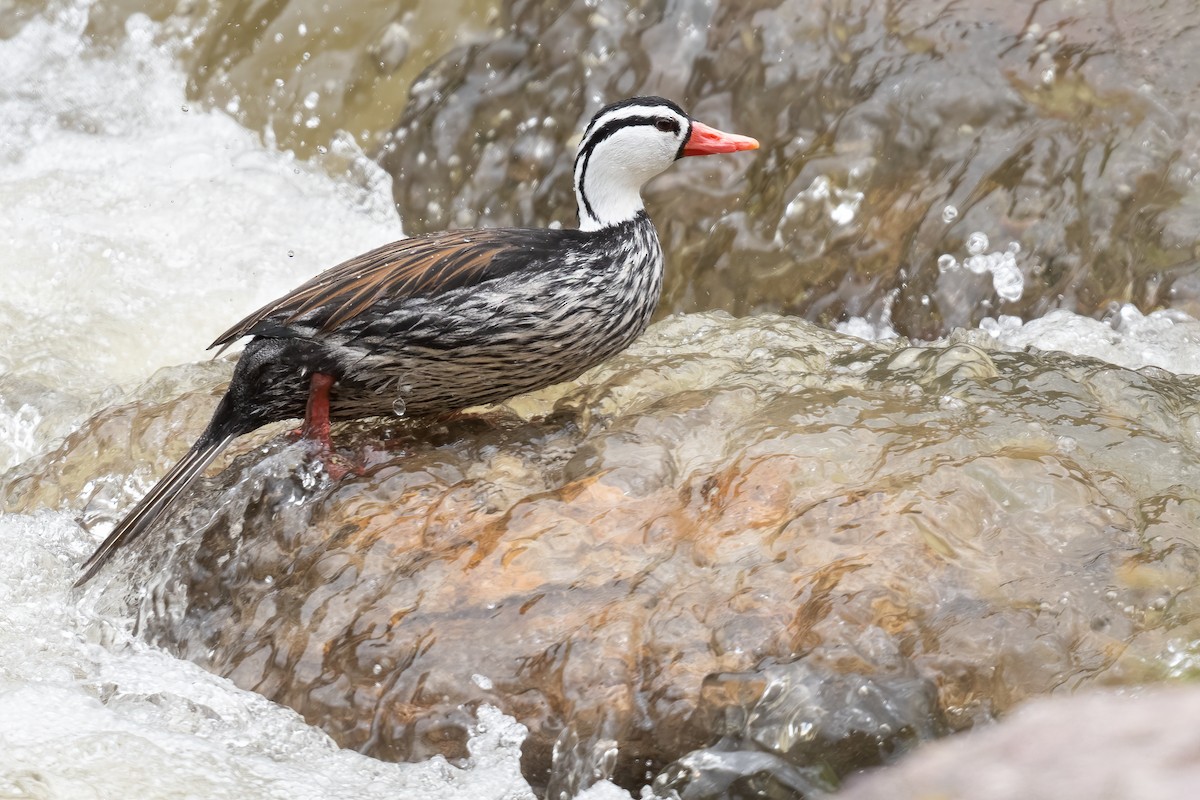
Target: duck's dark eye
{"type": "Point", "coordinates": [666, 125]}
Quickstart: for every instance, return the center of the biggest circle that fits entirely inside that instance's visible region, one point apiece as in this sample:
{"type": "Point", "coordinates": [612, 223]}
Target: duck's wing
{"type": "Point", "coordinates": [421, 266]}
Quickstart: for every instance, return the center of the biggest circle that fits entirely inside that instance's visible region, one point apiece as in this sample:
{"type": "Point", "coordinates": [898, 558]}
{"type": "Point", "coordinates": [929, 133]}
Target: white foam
{"type": "Point", "coordinates": [137, 227]}
{"type": "Point", "coordinates": [87, 710]}
{"type": "Point", "coordinates": [1167, 339]}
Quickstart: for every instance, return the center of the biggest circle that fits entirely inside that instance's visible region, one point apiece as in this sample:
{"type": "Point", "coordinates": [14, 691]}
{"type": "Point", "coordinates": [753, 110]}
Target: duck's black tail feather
{"type": "Point", "coordinates": [160, 498]}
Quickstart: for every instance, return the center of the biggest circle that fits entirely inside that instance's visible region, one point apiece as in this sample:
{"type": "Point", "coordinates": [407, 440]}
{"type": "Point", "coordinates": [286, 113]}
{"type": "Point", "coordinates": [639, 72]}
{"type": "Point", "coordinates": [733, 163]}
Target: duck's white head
{"type": "Point", "coordinates": [628, 143]}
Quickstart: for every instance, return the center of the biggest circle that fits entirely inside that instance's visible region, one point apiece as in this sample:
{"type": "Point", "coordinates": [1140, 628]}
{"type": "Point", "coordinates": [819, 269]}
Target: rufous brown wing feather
{"type": "Point", "coordinates": [408, 268]}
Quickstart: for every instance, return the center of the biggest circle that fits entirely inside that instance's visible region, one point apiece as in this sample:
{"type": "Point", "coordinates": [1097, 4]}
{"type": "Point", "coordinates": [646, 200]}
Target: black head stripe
{"type": "Point", "coordinates": [633, 101]}
{"type": "Point", "coordinates": [585, 155]}
{"type": "Point", "coordinates": [592, 137]}
{"type": "Point", "coordinates": [686, 137]}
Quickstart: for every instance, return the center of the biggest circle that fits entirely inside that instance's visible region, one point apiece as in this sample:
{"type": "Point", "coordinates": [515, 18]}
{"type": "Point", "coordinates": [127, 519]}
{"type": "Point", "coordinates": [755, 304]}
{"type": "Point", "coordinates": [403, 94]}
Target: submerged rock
{"type": "Point", "coordinates": [747, 556]}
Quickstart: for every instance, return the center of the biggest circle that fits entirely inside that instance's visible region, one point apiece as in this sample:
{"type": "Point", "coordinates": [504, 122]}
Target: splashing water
{"type": "Point", "coordinates": [1007, 279]}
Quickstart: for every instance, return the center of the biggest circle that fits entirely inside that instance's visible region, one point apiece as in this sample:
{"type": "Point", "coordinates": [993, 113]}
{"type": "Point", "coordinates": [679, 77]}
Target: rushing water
{"type": "Point", "coordinates": [137, 225]}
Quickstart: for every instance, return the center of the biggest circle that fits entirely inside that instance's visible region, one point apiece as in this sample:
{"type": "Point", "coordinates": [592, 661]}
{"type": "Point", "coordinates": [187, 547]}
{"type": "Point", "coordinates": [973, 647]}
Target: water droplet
{"type": "Point", "coordinates": [291, 253]}
{"type": "Point", "coordinates": [949, 214]}
{"type": "Point", "coordinates": [399, 407]}
{"type": "Point", "coordinates": [184, 109]}
{"type": "Point", "coordinates": [977, 243]}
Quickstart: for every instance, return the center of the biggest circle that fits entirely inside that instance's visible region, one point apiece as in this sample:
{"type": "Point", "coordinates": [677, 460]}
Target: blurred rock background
{"type": "Point", "coordinates": [891, 132]}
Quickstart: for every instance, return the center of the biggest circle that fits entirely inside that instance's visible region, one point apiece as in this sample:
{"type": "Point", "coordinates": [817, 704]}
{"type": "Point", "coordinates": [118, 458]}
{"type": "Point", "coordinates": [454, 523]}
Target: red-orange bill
{"type": "Point", "coordinates": [706, 141]}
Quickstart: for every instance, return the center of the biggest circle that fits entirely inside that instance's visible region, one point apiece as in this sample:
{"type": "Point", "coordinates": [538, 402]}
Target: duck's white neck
{"type": "Point", "coordinates": [628, 143]}
{"type": "Point", "coordinates": [620, 152]}
{"type": "Point", "coordinates": [607, 187]}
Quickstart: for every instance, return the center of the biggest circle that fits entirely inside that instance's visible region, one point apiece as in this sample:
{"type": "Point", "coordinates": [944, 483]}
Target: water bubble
{"type": "Point", "coordinates": [311, 99]}
{"type": "Point", "coordinates": [399, 407]}
{"type": "Point", "coordinates": [947, 262]}
{"type": "Point", "coordinates": [302, 29]}
{"type": "Point", "coordinates": [1008, 281]}
{"type": "Point", "coordinates": [949, 214]}
{"type": "Point", "coordinates": [977, 243]}
{"type": "Point", "coordinates": [980, 264]}
{"type": "Point", "coordinates": [291, 253]}
{"type": "Point", "coordinates": [184, 109]}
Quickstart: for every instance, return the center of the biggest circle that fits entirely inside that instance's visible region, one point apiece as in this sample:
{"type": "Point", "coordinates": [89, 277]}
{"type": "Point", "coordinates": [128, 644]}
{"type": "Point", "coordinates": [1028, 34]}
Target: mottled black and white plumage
{"type": "Point", "coordinates": [461, 318]}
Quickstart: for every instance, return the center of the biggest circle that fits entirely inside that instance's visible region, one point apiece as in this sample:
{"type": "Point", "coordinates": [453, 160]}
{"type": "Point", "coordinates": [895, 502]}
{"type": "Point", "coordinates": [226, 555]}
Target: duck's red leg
{"type": "Point", "coordinates": [316, 422]}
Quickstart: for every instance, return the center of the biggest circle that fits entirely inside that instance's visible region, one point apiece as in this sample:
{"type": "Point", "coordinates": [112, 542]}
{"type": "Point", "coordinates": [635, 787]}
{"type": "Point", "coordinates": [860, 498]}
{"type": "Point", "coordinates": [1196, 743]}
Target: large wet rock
{"type": "Point", "coordinates": [747, 556]}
